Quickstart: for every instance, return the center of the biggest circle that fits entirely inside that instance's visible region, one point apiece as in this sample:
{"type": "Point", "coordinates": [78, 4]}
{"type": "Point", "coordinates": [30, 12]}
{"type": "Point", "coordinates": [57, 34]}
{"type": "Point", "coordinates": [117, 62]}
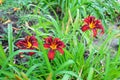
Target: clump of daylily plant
{"type": "Point", "coordinates": [53, 44]}
{"type": "Point", "coordinates": [90, 23]}
{"type": "Point", "coordinates": [29, 42]}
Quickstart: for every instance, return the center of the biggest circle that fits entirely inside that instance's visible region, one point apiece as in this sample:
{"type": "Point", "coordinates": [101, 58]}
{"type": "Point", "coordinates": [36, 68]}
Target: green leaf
{"type": "Point", "coordinates": [2, 55]}
{"type": "Point", "coordinates": [32, 68]}
{"type": "Point", "coordinates": [66, 77]}
{"type": "Point", "coordinates": [107, 67]}
{"type": "Point", "coordinates": [71, 73]}
{"type": "Point", "coordinates": [66, 64]}
{"type": "Point", "coordinates": [90, 75]}
{"type": "Point", "coordinates": [10, 39]}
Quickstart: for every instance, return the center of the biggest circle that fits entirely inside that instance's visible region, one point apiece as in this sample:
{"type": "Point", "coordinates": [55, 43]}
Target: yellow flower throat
{"type": "Point", "coordinates": [92, 25]}
{"type": "Point", "coordinates": [53, 46]}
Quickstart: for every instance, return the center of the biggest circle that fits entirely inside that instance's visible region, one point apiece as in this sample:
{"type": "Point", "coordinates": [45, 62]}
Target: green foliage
{"type": "Point", "coordinates": [83, 59]}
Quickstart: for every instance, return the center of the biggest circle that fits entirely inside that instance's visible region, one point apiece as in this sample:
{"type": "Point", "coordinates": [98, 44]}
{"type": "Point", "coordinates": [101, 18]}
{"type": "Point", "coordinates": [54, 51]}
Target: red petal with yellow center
{"type": "Point", "coordinates": [33, 41]}
{"type": "Point", "coordinates": [51, 54]}
{"type": "Point", "coordinates": [30, 42]}
{"type": "Point", "coordinates": [85, 27]}
{"type": "Point", "coordinates": [93, 24]}
{"type": "Point", "coordinates": [21, 44]}
{"type": "Point", "coordinates": [54, 44]}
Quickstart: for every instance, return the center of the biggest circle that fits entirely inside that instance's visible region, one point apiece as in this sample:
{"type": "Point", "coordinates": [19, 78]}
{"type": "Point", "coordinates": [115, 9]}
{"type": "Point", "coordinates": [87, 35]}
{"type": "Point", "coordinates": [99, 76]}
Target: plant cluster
{"type": "Point", "coordinates": [59, 40]}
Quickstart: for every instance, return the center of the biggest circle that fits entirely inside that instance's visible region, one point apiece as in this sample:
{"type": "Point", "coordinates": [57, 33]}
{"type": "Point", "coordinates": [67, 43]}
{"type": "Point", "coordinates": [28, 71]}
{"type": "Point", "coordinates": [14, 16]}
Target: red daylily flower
{"type": "Point", "coordinates": [53, 44]}
{"type": "Point", "coordinates": [30, 42]}
{"type": "Point", "coordinates": [93, 24]}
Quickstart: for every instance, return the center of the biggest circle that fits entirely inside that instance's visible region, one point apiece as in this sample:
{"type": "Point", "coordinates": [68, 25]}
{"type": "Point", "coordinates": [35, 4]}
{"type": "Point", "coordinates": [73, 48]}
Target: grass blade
{"type": "Point", "coordinates": [2, 54]}
{"type": "Point", "coordinates": [32, 68]}
{"type": "Point", "coordinates": [90, 75]}
{"type": "Point", "coordinates": [69, 62]}
{"type": "Point", "coordinates": [10, 38]}
{"type": "Point", "coordinates": [107, 67]}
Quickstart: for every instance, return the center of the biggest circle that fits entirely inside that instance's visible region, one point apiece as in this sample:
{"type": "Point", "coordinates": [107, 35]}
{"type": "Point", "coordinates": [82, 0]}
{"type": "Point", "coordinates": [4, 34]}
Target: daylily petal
{"type": "Point", "coordinates": [61, 44]}
{"type": "Point", "coordinates": [27, 38]}
{"type": "Point", "coordinates": [21, 44]}
{"type": "Point", "coordinates": [89, 19]}
{"type": "Point", "coordinates": [94, 32]}
{"type": "Point", "coordinates": [60, 50]}
{"type": "Point", "coordinates": [85, 27]}
{"type": "Point", "coordinates": [100, 27]}
{"type": "Point", "coordinates": [35, 45]}
{"type": "Point", "coordinates": [31, 53]}
{"type": "Point", "coordinates": [51, 54]}
{"type": "Point", "coordinates": [96, 22]}
{"type": "Point", "coordinates": [46, 46]}
{"type": "Point", "coordinates": [48, 40]}
{"type": "Point", "coordinates": [56, 40]}
{"type": "Point", "coordinates": [33, 41]}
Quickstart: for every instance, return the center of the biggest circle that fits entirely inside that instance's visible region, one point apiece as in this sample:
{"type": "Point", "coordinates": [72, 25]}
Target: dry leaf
{"type": "Point", "coordinates": [27, 25]}
{"type": "Point", "coordinates": [1, 1]}
{"type": "Point", "coordinates": [49, 77]}
{"type": "Point", "coordinates": [17, 77]}
{"type": "Point", "coordinates": [6, 22]}
{"type": "Point", "coordinates": [69, 22]}
{"type": "Point", "coordinates": [117, 35]}
{"type": "Point", "coordinates": [1, 19]}
{"type": "Point", "coordinates": [16, 29]}
{"type": "Point", "coordinates": [24, 76]}
{"type": "Point", "coordinates": [16, 9]}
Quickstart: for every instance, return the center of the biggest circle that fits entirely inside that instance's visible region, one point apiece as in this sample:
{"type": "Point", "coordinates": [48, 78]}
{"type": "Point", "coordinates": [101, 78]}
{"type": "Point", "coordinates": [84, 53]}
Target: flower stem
{"type": "Point", "coordinates": [45, 55]}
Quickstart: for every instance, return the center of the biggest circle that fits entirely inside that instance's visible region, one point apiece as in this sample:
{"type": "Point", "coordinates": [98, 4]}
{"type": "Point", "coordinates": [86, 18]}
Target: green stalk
{"type": "Point", "coordinates": [10, 39]}
{"type": "Point", "coordinates": [2, 53]}
{"type": "Point", "coordinates": [49, 65]}
{"type": "Point", "coordinates": [47, 62]}
{"type": "Point", "coordinates": [107, 67]}
{"type": "Point", "coordinates": [118, 53]}
{"type": "Point", "coordinates": [45, 56]}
